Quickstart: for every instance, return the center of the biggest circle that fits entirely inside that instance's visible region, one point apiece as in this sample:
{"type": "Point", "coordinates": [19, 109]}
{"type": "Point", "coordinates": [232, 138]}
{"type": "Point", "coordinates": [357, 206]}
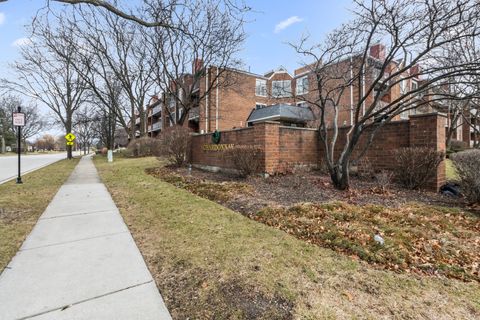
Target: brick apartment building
{"type": "Point", "coordinates": [276, 95]}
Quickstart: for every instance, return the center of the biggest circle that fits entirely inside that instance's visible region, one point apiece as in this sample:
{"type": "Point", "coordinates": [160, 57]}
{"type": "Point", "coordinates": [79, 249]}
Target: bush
{"type": "Point", "coordinates": [383, 180]}
{"type": "Point", "coordinates": [246, 159]}
{"type": "Point", "coordinates": [414, 166]}
{"type": "Point", "coordinates": [143, 147]}
{"type": "Point", "coordinates": [175, 144]}
{"type": "Point", "coordinates": [458, 145]}
{"type": "Point", "coordinates": [467, 164]}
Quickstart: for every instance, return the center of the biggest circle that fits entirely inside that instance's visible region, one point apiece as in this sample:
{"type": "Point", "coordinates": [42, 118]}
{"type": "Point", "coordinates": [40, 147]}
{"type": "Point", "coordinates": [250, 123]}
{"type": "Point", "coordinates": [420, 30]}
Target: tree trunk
{"type": "Point", "coordinates": [341, 176]}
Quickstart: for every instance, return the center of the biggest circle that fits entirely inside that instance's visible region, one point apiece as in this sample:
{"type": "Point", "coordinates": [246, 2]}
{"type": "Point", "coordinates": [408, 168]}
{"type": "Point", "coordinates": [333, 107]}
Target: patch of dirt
{"type": "Point", "coordinates": [254, 193]}
{"type": "Point", "coordinates": [192, 293]}
{"type": "Point", "coordinates": [10, 216]}
{"type": "Point", "coordinates": [235, 300]}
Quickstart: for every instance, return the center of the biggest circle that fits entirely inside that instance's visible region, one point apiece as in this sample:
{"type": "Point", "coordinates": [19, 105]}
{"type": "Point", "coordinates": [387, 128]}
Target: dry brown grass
{"type": "Point", "coordinates": [212, 263]}
{"type": "Point", "coordinates": [21, 205]}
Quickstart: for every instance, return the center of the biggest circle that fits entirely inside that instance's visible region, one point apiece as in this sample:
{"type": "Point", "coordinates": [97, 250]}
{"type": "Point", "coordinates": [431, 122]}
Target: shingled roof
{"type": "Point", "coordinates": [281, 112]}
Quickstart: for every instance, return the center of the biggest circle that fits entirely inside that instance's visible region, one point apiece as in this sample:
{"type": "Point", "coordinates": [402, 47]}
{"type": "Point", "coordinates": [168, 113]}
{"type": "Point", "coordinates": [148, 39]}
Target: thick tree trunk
{"type": "Point", "coordinates": [341, 176]}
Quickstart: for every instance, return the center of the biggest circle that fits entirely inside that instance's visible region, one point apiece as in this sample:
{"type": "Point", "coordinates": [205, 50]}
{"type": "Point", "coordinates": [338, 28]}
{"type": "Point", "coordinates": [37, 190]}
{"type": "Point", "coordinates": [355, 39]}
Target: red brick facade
{"type": "Point", "coordinates": [286, 147]}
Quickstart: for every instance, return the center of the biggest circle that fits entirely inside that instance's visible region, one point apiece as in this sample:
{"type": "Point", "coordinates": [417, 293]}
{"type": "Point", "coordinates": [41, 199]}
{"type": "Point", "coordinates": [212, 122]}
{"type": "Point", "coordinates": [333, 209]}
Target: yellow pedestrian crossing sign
{"type": "Point", "coordinates": [69, 143]}
{"type": "Point", "coordinates": [70, 137]}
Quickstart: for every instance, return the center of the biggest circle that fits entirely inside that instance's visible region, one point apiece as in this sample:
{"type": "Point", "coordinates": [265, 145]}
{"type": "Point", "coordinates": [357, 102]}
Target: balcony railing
{"type": "Point", "coordinates": [194, 113]}
{"type": "Point", "coordinates": [156, 110]}
{"type": "Point", "coordinates": [157, 126]}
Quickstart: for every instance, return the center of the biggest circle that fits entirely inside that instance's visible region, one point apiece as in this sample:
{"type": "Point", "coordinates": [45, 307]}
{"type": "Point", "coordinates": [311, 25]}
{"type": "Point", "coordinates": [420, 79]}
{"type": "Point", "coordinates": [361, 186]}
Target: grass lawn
{"type": "Point", "coordinates": [212, 263]}
{"type": "Point", "coordinates": [21, 205]}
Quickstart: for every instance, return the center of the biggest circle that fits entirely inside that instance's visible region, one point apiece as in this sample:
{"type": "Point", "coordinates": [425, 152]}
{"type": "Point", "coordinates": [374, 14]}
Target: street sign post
{"type": "Point", "coordinates": [70, 137]}
{"type": "Point", "coordinates": [18, 119]}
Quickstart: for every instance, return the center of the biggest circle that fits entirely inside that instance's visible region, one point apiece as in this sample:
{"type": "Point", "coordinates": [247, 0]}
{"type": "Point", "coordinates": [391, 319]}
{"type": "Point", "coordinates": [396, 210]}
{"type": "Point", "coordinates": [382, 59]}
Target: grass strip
{"type": "Point", "coordinates": [22, 204]}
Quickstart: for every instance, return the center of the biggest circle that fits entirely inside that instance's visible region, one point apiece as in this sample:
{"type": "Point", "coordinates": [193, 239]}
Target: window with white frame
{"type": "Point", "coordinates": [302, 85]}
{"type": "Point", "coordinates": [403, 86]}
{"type": "Point", "coordinates": [281, 88]}
{"type": "Point", "coordinates": [414, 85]}
{"type": "Point", "coordinates": [260, 105]}
{"type": "Point", "coordinates": [261, 87]}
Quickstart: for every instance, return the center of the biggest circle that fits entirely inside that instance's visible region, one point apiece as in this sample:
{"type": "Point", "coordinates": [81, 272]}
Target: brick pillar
{"type": "Point", "coordinates": [267, 136]}
{"type": "Point", "coordinates": [466, 132]}
{"type": "Point", "coordinates": [428, 130]}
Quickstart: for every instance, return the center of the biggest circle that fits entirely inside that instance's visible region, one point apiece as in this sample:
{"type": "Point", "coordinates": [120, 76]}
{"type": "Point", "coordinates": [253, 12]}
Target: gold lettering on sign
{"type": "Point", "coordinates": [217, 147]}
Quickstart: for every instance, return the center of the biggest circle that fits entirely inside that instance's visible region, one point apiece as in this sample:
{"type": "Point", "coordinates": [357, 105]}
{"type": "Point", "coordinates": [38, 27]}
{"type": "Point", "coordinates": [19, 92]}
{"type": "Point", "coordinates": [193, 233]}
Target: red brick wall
{"type": "Point", "coordinates": [419, 131]}
{"type": "Point", "coordinates": [298, 146]}
{"type": "Point", "coordinates": [285, 147]}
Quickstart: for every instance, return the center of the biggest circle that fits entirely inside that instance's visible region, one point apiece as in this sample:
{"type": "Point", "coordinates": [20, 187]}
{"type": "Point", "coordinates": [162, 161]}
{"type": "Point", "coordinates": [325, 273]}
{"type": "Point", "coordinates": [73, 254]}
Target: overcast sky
{"type": "Point", "coordinates": [273, 24]}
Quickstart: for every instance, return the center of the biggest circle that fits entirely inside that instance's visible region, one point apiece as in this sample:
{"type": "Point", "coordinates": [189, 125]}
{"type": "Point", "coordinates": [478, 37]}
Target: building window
{"type": "Point", "coordinates": [261, 87]}
{"type": "Point", "coordinates": [281, 88]}
{"type": "Point", "coordinates": [260, 105]}
{"type": "Point", "coordinates": [403, 86]}
{"type": "Point", "coordinates": [302, 85]}
{"type": "Point", "coordinates": [171, 102]}
{"type": "Point", "coordinates": [414, 85]}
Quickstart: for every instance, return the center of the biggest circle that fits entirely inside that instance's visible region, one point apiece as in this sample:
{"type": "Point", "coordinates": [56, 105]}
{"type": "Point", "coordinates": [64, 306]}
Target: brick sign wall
{"type": "Point", "coordinates": [286, 147]}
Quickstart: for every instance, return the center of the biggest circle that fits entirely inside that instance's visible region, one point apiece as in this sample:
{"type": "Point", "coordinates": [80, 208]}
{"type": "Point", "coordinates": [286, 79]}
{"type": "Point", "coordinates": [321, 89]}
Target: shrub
{"type": "Point", "coordinates": [246, 159]}
{"type": "Point", "coordinates": [142, 147]}
{"type": "Point", "coordinates": [414, 166]}
{"type": "Point", "coordinates": [467, 164]}
{"type": "Point", "coordinates": [175, 144]}
{"type": "Point", "coordinates": [458, 145]}
{"type": "Point", "coordinates": [383, 180]}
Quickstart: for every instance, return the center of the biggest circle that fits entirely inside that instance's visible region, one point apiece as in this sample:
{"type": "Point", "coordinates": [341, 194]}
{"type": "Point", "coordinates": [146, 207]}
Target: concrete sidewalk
{"type": "Point", "coordinates": [80, 261]}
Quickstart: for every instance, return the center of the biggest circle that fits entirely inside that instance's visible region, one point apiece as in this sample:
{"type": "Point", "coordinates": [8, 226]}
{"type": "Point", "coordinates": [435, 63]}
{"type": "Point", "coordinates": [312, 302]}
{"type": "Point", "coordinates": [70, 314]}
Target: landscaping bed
{"type": "Point", "coordinates": [210, 262]}
{"type": "Point", "coordinates": [423, 232]}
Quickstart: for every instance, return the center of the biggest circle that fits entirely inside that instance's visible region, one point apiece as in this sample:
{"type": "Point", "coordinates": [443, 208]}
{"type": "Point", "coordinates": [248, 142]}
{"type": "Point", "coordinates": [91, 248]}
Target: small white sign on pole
{"type": "Point", "coordinates": [19, 119]}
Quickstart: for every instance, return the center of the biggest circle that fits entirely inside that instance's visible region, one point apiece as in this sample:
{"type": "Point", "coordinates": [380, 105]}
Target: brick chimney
{"type": "Point", "coordinates": [377, 51]}
{"type": "Point", "coordinates": [415, 70]}
{"type": "Point", "coordinates": [197, 65]}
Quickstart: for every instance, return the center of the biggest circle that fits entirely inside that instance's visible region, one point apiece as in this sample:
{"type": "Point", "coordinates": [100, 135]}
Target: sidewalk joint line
{"type": "Point", "coordinates": [65, 307]}
{"type": "Point", "coordinates": [73, 241]}
{"type": "Point", "coordinates": [80, 214]}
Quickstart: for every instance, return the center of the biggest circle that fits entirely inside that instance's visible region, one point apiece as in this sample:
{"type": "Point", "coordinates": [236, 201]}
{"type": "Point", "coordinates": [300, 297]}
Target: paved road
{"type": "Point", "coordinates": [8, 164]}
{"type": "Point", "coordinates": [80, 262]}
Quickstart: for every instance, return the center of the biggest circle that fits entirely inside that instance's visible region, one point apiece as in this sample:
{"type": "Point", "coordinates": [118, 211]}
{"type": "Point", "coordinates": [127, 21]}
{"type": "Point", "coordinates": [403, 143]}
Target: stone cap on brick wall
{"type": "Point", "coordinates": [441, 114]}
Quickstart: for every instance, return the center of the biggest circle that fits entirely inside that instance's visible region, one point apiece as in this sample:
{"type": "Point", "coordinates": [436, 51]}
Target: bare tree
{"type": "Point", "coordinates": [415, 34]}
{"type": "Point", "coordinates": [467, 87]}
{"type": "Point", "coordinates": [34, 120]}
{"type": "Point", "coordinates": [114, 9]}
{"type": "Point", "coordinates": [7, 133]}
{"type": "Point", "coordinates": [209, 34]}
{"type": "Point", "coordinates": [48, 76]}
{"type": "Point", "coordinates": [84, 125]}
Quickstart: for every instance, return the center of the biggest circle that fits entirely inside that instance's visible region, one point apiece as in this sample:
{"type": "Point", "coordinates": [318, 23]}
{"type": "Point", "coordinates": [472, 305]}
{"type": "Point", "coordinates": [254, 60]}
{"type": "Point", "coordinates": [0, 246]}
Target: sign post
{"type": "Point", "coordinates": [70, 137]}
{"type": "Point", "coordinates": [19, 122]}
